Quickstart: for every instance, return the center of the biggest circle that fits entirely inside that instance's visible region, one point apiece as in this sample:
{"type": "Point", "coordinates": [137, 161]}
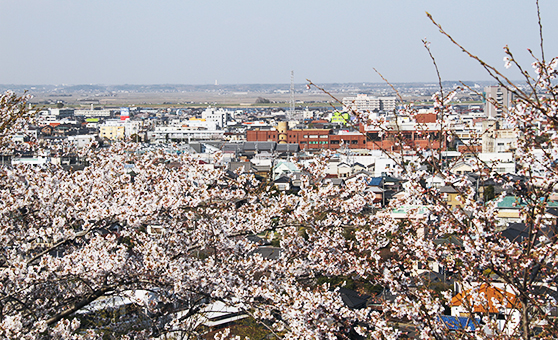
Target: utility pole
{"type": "Point", "coordinates": [292, 101]}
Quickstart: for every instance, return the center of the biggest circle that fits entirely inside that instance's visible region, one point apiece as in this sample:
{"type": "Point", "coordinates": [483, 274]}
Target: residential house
{"type": "Point", "coordinates": [358, 167]}
{"type": "Point", "coordinates": [486, 299]}
{"type": "Point", "coordinates": [240, 167]}
{"type": "Point", "coordinates": [339, 182]}
{"type": "Point", "coordinates": [510, 206]}
{"type": "Point", "coordinates": [450, 195]}
{"type": "Point", "coordinates": [283, 183]}
{"type": "Point", "coordinates": [344, 170]}
{"type": "Point", "coordinates": [283, 168]}
{"type": "Point", "coordinates": [461, 168]}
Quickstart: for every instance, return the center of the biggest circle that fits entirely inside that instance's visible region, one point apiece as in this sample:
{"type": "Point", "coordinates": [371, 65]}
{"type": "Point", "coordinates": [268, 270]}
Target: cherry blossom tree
{"type": "Point", "coordinates": [163, 224]}
{"type": "Point", "coordinates": [138, 242]}
{"type": "Point", "coordinates": [512, 278]}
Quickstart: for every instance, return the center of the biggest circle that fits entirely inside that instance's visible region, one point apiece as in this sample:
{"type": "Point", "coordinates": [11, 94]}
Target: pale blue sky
{"type": "Point", "coordinates": [259, 41]}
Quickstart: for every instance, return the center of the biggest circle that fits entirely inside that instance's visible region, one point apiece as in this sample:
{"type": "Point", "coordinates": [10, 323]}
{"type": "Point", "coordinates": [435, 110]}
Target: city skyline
{"type": "Point", "coordinates": [249, 42]}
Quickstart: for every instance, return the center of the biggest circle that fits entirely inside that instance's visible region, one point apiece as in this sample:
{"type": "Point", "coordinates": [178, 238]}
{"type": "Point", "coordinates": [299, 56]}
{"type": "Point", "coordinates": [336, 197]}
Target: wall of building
{"type": "Point", "coordinates": [262, 136]}
{"type": "Point", "coordinates": [498, 100]}
{"type": "Point", "coordinates": [325, 139]}
{"type": "Point", "coordinates": [112, 132]}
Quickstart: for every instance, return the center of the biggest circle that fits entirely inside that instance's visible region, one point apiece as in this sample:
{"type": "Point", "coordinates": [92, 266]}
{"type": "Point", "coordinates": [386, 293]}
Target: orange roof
{"type": "Point", "coordinates": [484, 305]}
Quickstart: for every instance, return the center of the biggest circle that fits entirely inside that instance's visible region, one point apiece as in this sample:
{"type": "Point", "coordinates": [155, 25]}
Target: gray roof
{"type": "Point", "coordinates": [233, 166]}
{"type": "Point", "coordinates": [282, 179]}
{"type": "Point", "coordinates": [292, 147]}
{"type": "Point", "coordinates": [261, 167]}
{"type": "Point", "coordinates": [259, 146]}
{"type": "Point", "coordinates": [361, 172]}
{"type": "Point", "coordinates": [334, 181]}
{"type": "Point", "coordinates": [448, 189]}
{"type": "Point", "coordinates": [375, 189]}
{"type": "Point", "coordinates": [232, 148]}
{"type": "Point", "coordinates": [353, 299]}
{"type": "Point", "coordinates": [196, 146]}
{"type": "Point", "coordinates": [271, 253]}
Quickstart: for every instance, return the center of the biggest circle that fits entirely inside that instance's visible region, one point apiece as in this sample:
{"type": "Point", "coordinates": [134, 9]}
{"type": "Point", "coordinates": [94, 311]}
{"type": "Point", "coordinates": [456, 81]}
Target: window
{"type": "Point", "coordinates": [323, 136]}
{"type": "Point", "coordinates": [354, 142]}
{"type": "Point", "coordinates": [334, 142]}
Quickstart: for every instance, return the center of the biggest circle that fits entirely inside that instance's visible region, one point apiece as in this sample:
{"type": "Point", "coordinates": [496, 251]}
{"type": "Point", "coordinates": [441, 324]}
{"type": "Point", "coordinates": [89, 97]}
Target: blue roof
{"type": "Point", "coordinates": [375, 181]}
{"type": "Point", "coordinates": [459, 322]}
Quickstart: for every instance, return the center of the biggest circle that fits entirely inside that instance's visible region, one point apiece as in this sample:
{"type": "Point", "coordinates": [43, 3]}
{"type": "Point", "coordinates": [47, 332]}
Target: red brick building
{"type": "Point", "coordinates": [371, 140]}
{"type": "Point", "coordinates": [311, 138]}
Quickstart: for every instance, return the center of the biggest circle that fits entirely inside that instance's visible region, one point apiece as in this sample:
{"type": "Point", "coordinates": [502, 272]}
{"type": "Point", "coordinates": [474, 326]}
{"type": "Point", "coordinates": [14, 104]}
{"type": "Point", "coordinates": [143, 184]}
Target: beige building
{"type": "Point", "coordinates": [112, 132]}
{"type": "Point", "coordinates": [461, 168]}
{"type": "Point", "coordinates": [496, 140]}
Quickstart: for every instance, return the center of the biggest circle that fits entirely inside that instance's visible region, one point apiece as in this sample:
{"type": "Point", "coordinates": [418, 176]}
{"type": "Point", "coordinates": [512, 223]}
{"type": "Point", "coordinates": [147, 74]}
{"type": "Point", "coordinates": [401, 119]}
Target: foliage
{"type": "Point", "coordinates": [80, 245]}
{"type": "Point", "coordinates": [488, 193]}
{"type": "Point", "coordinates": [262, 100]}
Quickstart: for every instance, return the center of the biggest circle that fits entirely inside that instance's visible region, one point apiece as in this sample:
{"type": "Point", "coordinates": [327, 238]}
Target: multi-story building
{"type": "Point", "coordinates": [408, 137]}
{"type": "Point", "coordinates": [56, 114]}
{"type": "Point", "coordinates": [163, 134]}
{"type": "Point", "coordinates": [310, 138]}
{"type": "Point", "coordinates": [94, 113]}
{"type": "Point", "coordinates": [340, 118]}
{"type": "Point", "coordinates": [364, 103]}
{"type": "Point", "coordinates": [112, 132]}
{"type": "Point", "coordinates": [497, 140]}
{"type": "Point", "coordinates": [119, 129]}
{"type": "Point", "coordinates": [498, 100]}
{"type": "Point", "coordinates": [219, 116]}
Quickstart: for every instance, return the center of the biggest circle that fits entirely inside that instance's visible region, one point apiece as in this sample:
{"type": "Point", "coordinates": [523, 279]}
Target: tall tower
{"type": "Point", "coordinates": [292, 102]}
{"type": "Point", "coordinates": [282, 128]}
{"type": "Point", "coordinates": [498, 100]}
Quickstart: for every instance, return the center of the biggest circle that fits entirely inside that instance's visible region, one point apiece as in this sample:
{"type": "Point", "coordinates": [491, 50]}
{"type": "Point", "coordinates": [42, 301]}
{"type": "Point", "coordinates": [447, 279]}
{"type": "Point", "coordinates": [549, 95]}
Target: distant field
{"type": "Point", "coordinates": [202, 99]}
{"type": "Point", "coordinates": [186, 99]}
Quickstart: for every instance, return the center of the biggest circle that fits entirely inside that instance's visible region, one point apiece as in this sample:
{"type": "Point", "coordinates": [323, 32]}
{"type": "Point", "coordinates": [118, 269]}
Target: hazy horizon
{"type": "Point", "coordinates": [260, 42]}
{"type": "Point", "coordinates": [298, 84]}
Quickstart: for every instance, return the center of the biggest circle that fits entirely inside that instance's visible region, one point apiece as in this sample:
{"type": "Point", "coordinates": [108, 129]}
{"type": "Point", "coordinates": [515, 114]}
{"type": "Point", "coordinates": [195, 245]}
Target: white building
{"type": "Point", "coordinates": [385, 167]}
{"type": "Point", "coordinates": [93, 113]}
{"type": "Point", "coordinates": [502, 162]}
{"type": "Point", "coordinates": [195, 123]}
{"type": "Point", "coordinates": [363, 103]}
{"type": "Point", "coordinates": [219, 116]}
{"type": "Point", "coordinates": [164, 134]}
{"type": "Point", "coordinates": [81, 141]}
{"type": "Point", "coordinates": [308, 114]}
{"type": "Point", "coordinates": [53, 114]}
